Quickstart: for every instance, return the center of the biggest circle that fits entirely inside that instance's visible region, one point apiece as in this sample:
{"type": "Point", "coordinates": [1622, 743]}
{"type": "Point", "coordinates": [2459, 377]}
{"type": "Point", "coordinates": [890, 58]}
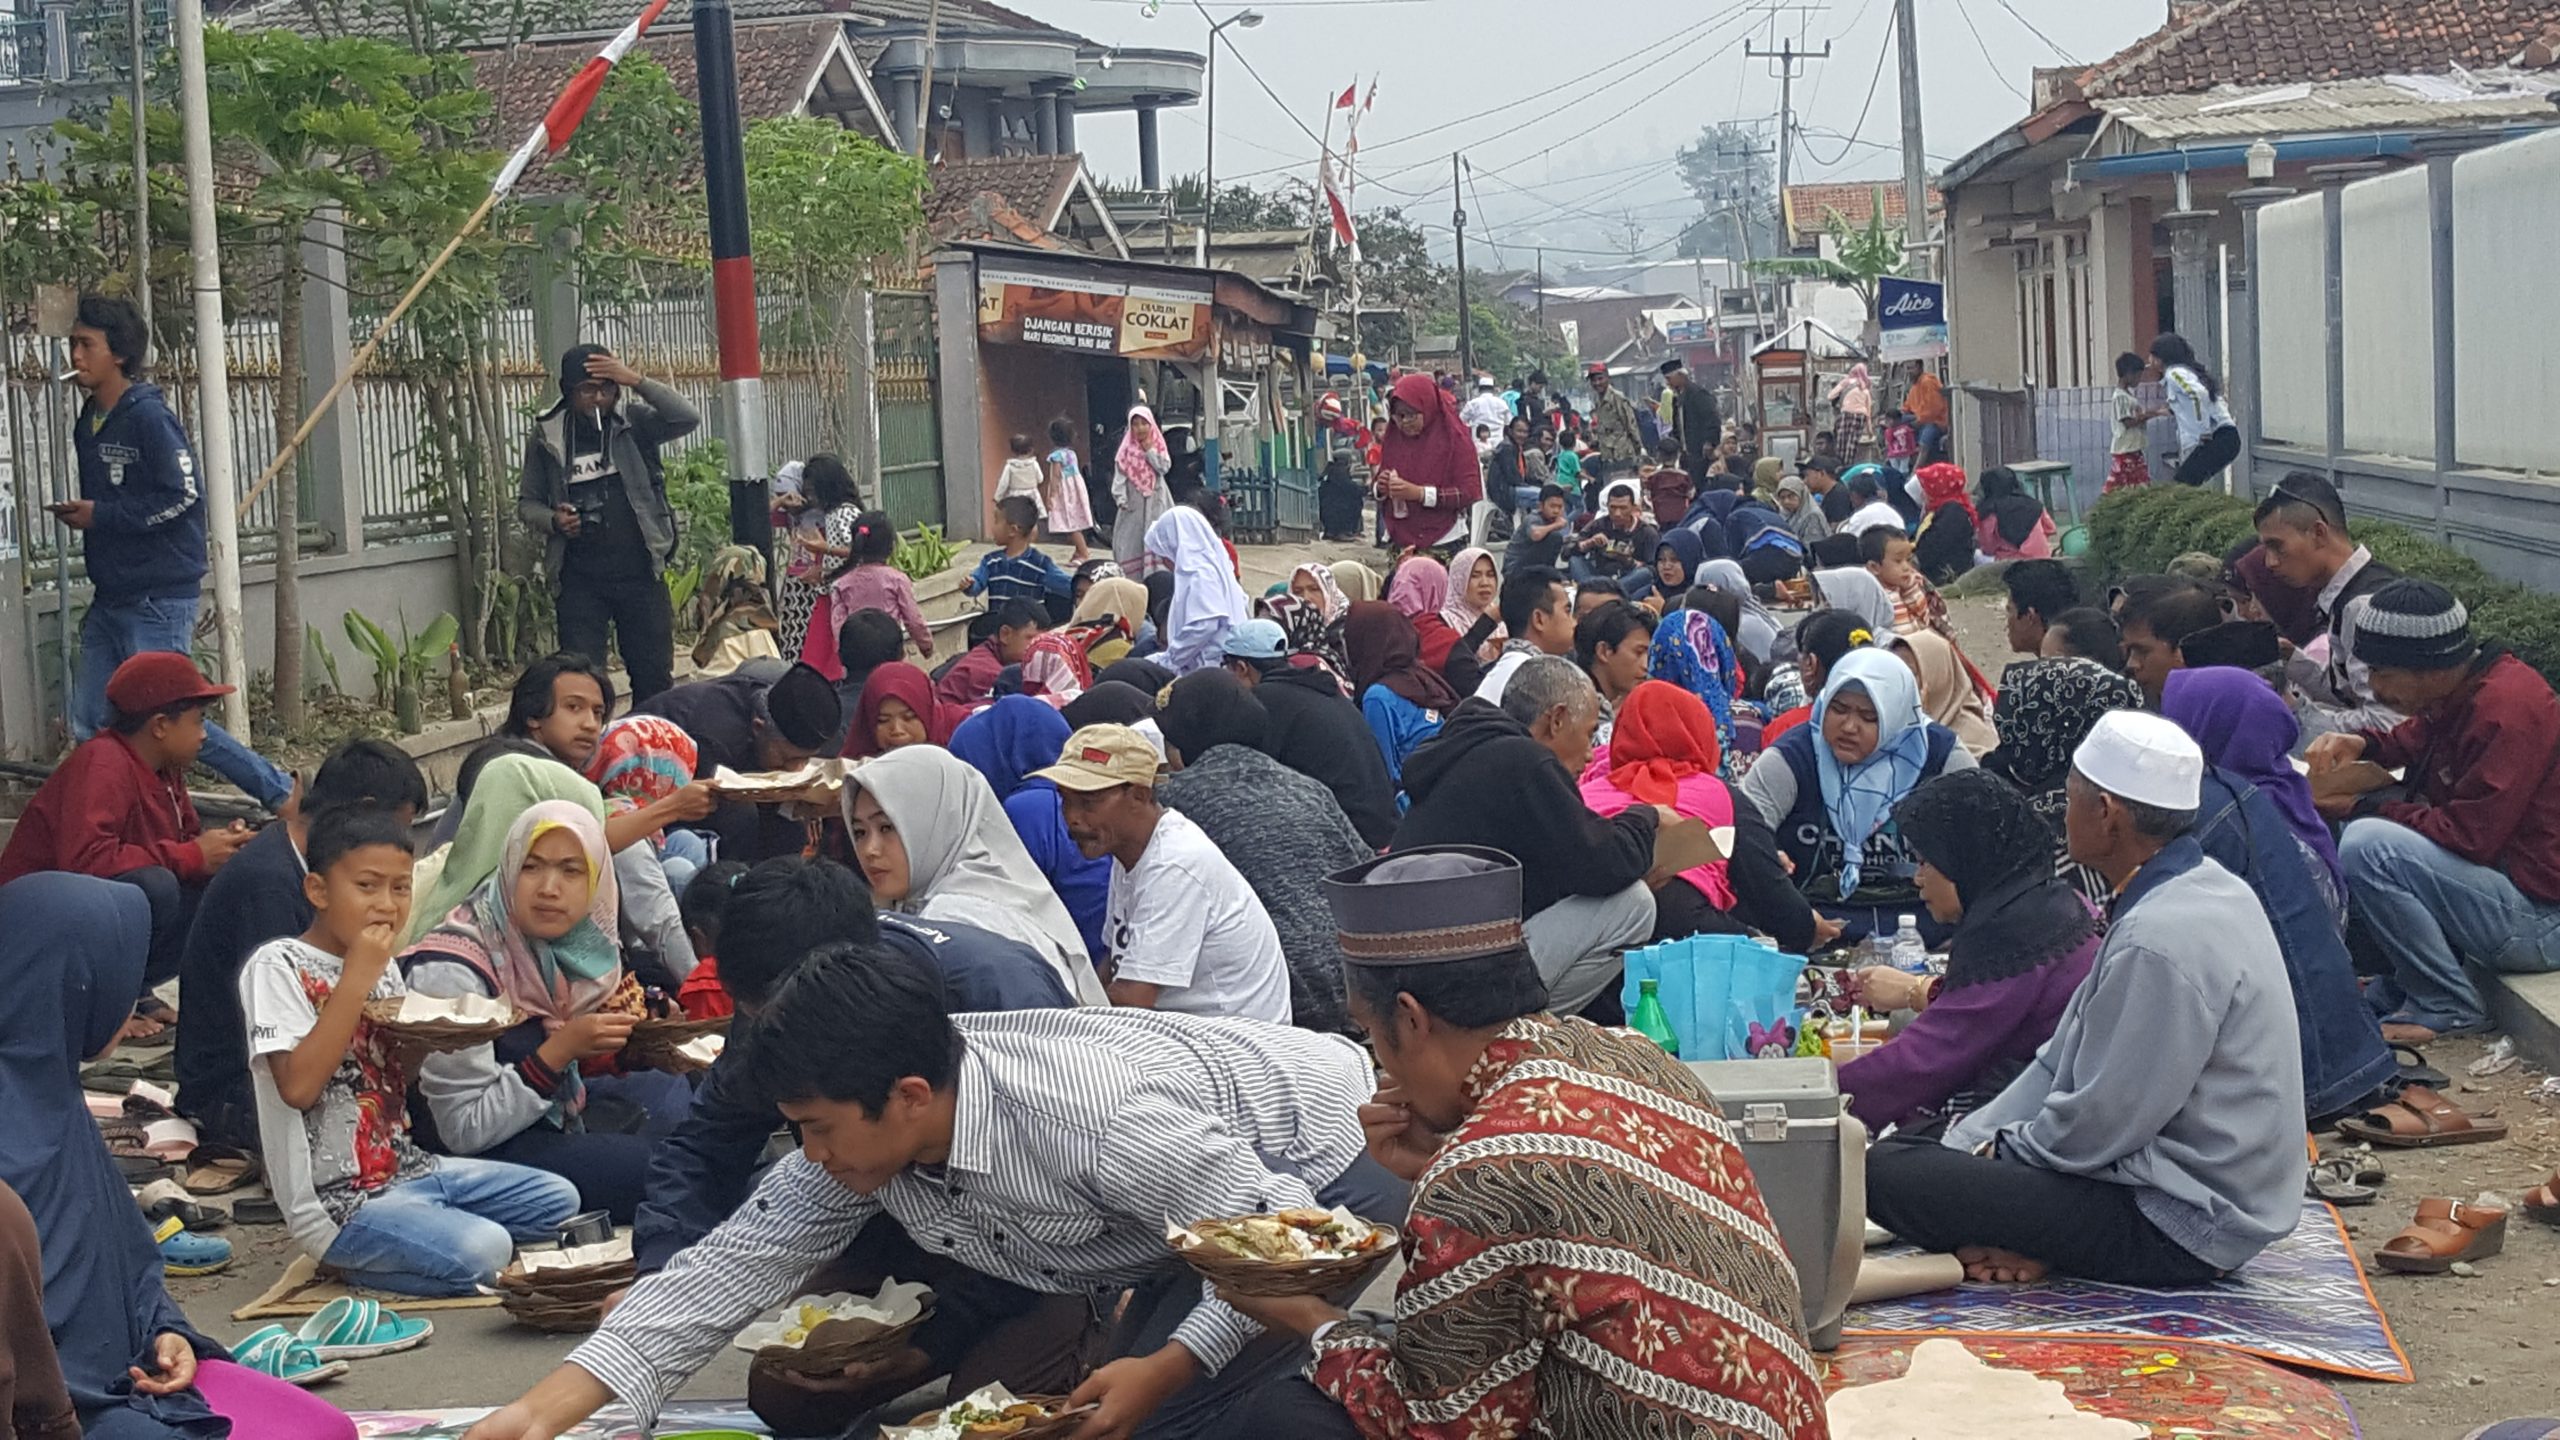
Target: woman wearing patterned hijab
{"type": "Point", "coordinates": [2046, 708]}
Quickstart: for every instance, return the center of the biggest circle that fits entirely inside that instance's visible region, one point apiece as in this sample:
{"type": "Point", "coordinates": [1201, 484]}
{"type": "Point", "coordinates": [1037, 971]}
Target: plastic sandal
{"type": "Point", "coordinates": [182, 1253]}
{"type": "Point", "coordinates": [275, 1353]}
{"type": "Point", "coordinates": [2542, 1202]}
{"type": "Point", "coordinates": [2337, 1179]}
{"type": "Point", "coordinates": [350, 1329]}
{"type": "Point", "coordinates": [219, 1170]}
{"type": "Point", "coordinates": [163, 1199]}
{"type": "Point", "coordinates": [257, 1210]}
{"type": "Point", "coordinates": [2443, 1232]}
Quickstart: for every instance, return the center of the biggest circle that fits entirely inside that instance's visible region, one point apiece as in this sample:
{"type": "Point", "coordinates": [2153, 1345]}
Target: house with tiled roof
{"type": "Point", "coordinates": [2105, 216]}
{"type": "Point", "coordinates": [1809, 210]}
{"type": "Point", "coordinates": [1047, 201]}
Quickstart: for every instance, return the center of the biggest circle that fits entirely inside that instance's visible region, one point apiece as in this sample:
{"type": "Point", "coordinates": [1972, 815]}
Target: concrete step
{"type": "Point", "coordinates": [2528, 1008]}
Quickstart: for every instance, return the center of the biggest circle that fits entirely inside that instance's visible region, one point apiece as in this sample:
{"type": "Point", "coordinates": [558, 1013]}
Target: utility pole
{"type": "Point", "coordinates": [213, 370]}
{"type": "Point", "coordinates": [1542, 290]}
{"type": "Point", "coordinates": [733, 274]}
{"type": "Point", "coordinates": [1742, 218]}
{"type": "Point", "coordinates": [1915, 158]}
{"type": "Point", "coordinates": [1788, 59]}
{"type": "Point", "coordinates": [1466, 322]}
{"type": "Point", "coordinates": [924, 90]}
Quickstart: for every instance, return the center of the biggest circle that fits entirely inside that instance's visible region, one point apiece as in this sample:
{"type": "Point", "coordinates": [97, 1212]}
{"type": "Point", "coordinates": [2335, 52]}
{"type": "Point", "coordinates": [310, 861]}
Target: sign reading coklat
{"type": "Point", "coordinates": [1094, 315]}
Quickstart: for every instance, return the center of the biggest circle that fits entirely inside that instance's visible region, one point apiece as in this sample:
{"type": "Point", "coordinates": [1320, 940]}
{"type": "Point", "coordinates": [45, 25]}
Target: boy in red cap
{"type": "Point", "coordinates": [117, 808]}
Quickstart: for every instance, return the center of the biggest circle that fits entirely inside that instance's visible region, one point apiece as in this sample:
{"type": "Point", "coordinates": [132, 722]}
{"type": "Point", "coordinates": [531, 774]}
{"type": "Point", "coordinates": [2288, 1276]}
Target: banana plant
{"type": "Point", "coordinates": [375, 644]}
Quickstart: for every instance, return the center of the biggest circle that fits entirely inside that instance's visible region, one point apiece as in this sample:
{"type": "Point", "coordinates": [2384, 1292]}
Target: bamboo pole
{"type": "Point", "coordinates": [285, 453]}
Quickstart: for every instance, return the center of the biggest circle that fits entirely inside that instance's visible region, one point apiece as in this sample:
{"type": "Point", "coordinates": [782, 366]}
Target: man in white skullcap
{"type": "Point", "coordinates": [2157, 1138]}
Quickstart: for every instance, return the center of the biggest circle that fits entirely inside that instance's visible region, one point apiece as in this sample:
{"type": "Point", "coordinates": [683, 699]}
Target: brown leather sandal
{"type": "Point", "coordinates": [2542, 1202]}
{"type": "Point", "coordinates": [2421, 1119]}
{"type": "Point", "coordinates": [2443, 1232]}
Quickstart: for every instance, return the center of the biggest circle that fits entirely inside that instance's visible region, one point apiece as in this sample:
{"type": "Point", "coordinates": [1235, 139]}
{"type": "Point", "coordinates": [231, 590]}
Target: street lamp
{"type": "Point", "coordinates": [1209, 184]}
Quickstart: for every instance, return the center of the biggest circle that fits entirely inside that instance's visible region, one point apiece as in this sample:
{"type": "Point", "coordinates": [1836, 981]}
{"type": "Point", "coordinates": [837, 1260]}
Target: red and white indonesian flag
{"type": "Point", "coordinates": [1345, 233]}
{"type": "Point", "coordinates": [561, 120]}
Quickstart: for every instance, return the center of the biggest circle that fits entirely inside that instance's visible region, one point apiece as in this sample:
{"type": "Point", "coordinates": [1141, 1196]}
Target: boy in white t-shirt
{"type": "Point", "coordinates": [1183, 931]}
{"type": "Point", "coordinates": [333, 1117]}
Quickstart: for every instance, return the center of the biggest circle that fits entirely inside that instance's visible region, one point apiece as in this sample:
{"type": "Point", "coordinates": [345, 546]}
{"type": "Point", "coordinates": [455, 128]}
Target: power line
{"type": "Point", "coordinates": [1238, 51]}
{"type": "Point", "coordinates": [1980, 44]}
{"type": "Point", "coordinates": [1875, 82]}
{"type": "Point", "coordinates": [2061, 54]}
{"type": "Point", "coordinates": [1863, 144]}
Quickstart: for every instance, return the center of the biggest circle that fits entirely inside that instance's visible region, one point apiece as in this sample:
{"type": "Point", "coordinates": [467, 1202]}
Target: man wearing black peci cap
{"type": "Point", "coordinates": [765, 715]}
{"type": "Point", "coordinates": [1693, 418]}
{"type": "Point", "coordinates": [593, 486]}
{"type": "Point", "coordinates": [1587, 1253]}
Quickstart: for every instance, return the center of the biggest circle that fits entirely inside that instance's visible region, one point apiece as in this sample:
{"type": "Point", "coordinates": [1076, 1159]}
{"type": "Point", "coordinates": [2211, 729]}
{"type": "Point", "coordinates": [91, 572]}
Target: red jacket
{"type": "Point", "coordinates": [105, 813]}
{"type": "Point", "coordinates": [2482, 777]}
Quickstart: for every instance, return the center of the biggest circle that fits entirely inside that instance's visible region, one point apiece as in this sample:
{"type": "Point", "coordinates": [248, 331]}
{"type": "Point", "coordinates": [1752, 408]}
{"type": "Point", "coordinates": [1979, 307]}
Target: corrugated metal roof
{"type": "Point", "coordinates": [2392, 102]}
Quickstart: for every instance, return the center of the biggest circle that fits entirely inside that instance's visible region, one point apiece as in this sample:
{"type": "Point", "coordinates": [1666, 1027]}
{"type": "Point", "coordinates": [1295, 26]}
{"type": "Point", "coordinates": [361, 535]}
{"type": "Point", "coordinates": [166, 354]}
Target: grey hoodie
{"type": "Point", "coordinates": [2175, 1069]}
{"type": "Point", "coordinates": [648, 417]}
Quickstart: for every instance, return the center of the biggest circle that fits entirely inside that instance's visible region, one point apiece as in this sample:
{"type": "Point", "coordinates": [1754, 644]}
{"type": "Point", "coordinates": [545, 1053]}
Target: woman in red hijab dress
{"type": "Point", "coordinates": [1428, 474]}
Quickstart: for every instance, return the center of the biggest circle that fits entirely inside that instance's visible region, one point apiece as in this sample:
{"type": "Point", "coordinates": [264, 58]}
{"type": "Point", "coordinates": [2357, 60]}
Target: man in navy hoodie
{"type": "Point", "coordinates": [142, 512]}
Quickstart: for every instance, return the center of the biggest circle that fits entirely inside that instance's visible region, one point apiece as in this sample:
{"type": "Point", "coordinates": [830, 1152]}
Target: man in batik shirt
{"type": "Point", "coordinates": [1588, 1256]}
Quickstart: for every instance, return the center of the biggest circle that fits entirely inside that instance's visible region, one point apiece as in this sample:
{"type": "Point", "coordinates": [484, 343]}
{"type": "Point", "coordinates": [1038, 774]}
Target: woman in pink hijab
{"type": "Point", "coordinates": [1428, 473]}
{"type": "Point", "coordinates": [1138, 472]}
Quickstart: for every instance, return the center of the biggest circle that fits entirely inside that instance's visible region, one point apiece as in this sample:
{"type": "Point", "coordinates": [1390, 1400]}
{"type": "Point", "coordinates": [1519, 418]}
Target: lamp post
{"type": "Point", "coordinates": [1209, 183]}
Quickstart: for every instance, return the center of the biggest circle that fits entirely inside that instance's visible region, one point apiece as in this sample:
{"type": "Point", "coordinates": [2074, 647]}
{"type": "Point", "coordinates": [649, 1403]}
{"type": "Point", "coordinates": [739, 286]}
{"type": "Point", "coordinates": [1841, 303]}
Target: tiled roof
{"type": "Point", "coordinates": [775, 59]}
{"type": "Point", "coordinates": [988, 218]}
{"type": "Point", "coordinates": [2250, 42]}
{"type": "Point", "coordinates": [1032, 186]}
{"type": "Point", "coordinates": [1810, 207]}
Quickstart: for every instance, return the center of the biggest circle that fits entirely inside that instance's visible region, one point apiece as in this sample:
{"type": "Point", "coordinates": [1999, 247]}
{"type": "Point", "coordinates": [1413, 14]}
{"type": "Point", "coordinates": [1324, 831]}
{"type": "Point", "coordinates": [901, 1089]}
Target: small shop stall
{"type": "Point", "coordinates": [1789, 374]}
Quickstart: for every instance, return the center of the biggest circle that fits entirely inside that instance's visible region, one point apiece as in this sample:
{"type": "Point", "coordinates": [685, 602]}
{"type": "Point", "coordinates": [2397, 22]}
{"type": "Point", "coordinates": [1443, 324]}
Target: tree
{"type": "Point", "coordinates": [1725, 168]}
{"type": "Point", "coordinates": [1860, 256]}
{"type": "Point", "coordinates": [1396, 270]}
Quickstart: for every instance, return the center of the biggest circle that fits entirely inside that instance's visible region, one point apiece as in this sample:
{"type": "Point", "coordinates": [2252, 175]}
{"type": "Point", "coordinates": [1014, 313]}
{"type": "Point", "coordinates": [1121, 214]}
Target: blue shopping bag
{"type": "Point", "coordinates": [1714, 989]}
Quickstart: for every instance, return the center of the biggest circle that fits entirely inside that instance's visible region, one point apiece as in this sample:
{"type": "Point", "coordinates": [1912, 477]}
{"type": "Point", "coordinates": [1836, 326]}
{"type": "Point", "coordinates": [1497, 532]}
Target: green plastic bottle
{"type": "Point", "coordinates": [1649, 1020]}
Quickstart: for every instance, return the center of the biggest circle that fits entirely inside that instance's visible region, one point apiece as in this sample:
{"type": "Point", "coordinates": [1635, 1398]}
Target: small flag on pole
{"type": "Point", "coordinates": [1350, 94]}
{"type": "Point", "coordinates": [1373, 95]}
{"type": "Point", "coordinates": [561, 120]}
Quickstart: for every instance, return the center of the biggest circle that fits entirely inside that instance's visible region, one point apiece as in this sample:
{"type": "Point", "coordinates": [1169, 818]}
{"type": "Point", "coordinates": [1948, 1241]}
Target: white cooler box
{"type": "Point", "coordinates": [1810, 1157]}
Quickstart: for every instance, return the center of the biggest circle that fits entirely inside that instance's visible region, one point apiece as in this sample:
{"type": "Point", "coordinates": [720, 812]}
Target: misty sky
{"type": "Point", "coordinates": [1591, 154]}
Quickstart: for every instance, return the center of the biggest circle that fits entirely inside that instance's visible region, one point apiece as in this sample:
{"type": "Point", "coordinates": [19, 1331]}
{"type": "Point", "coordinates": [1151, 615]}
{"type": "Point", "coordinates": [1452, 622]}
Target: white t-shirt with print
{"type": "Point", "coordinates": [312, 1157]}
{"type": "Point", "coordinates": [1185, 920]}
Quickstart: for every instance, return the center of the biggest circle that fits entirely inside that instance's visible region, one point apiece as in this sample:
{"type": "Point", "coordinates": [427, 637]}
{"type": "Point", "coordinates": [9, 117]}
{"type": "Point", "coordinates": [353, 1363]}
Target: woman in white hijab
{"type": "Point", "coordinates": [1207, 601]}
{"type": "Point", "coordinates": [1852, 589]}
{"type": "Point", "coordinates": [934, 842]}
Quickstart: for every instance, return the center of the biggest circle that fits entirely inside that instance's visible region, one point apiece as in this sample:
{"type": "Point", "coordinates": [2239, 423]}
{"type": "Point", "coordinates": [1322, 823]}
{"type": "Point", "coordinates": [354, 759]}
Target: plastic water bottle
{"type": "Point", "coordinates": [1909, 955]}
{"type": "Point", "coordinates": [1649, 1020]}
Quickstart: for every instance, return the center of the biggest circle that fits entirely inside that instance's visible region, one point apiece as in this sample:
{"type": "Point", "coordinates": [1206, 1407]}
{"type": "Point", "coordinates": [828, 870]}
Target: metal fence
{"type": "Point", "coordinates": [2072, 424]}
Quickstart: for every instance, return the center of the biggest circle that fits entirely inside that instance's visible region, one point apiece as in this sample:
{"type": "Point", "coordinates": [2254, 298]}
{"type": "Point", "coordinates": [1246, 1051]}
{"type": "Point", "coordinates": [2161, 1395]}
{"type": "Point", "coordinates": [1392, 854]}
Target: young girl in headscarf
{"type": "Point", "coordinates": [1803, 512]}
{"type": "Point", "coordinates": [1663, 750]}
{"type": "Point", "coordinates": [1475, 594]}
{"type": "Point", "coordinates": [1419, 592]}
{"type": "Point", "coordinates": [2012, 524]}
{"type": "Point", "coordinates": [949, 852]}
{"type": "Point", "coordinates": [539, 933]}
{"type": "Point", "coordinates": [898, 709]}
{"type": "Point", "coordinates": [1947, 695]}
{"type": "Point", "coordinates": [1405, 700]}
{"type": "Point", "coordinates": [1138, 473]}
{"type": "Point", "coordinates": [1428, 473]}
{"type": "Point", "coordinates": [1692, 651]}
{"type": "Point", "coordinates": [1854, 397]}
{"type": "Point", "coordinates": [2021, 943]}
{"type": "Point", "coordinates": [1207, 601]}
{"type": "Point", "coordinates": [2046, 708]}
{"type": "Point", "coordinates": [640, 760]}
{"type": "Point", "coordinates": [1829, 789]}
{"type": "Point", "coordinates": [1944, 547]}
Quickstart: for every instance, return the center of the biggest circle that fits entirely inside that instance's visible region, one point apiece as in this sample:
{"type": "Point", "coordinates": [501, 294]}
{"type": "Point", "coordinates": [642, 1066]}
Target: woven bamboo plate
{"type": "Point", "coordinates": [835, 1344]}
{"type": "Point", "coordinates": [654, 1043]}
{"type": "Point", "coordinates": [1278, 1279]}
{"type": "Point", "coordinates": [434, 1037]}
{"type": "Point", "coordinates": [556, 1317]}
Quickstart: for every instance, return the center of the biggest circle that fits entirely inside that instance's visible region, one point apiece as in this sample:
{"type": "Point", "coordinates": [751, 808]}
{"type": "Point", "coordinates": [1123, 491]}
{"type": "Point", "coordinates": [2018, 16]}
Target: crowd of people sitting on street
{"type": "Point", "coordinates": [1108, 902]}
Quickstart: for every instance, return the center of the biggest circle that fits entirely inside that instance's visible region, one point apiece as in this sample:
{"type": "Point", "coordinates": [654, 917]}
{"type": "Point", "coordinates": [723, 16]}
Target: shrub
{"type": "Point", "coordinates": [2139, 531]}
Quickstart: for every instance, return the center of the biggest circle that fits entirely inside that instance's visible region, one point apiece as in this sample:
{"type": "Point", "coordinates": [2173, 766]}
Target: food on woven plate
{"type": "Point", "coordinates": [825, 1333]}
{"type": "Point", "coordinates": [993, 1413]}
{"type": "Point", "coordinates": [1287, 1235]}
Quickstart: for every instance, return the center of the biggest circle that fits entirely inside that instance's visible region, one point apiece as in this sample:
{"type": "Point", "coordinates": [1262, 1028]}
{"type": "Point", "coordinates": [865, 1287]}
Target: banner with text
{"type": "Point", "coordinates": [1093, 316]}
{"type": "Point", "coordinates": [1912, 318]}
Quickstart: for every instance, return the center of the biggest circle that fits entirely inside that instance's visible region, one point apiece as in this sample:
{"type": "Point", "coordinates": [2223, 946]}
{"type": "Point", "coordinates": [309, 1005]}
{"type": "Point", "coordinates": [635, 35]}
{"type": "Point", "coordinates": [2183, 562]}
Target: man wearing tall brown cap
{"type": "Point", "coordinates": [1587, 1253]}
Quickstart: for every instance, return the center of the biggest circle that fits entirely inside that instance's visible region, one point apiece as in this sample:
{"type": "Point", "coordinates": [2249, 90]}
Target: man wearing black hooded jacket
{"type": "Point", "coordinates": [594, 485]}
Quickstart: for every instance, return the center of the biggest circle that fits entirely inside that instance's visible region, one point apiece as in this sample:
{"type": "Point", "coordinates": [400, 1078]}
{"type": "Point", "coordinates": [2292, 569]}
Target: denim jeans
{"type": "Point", "coordinates": [2430, 910]}
{"type": "Point", "coordinates": [115, 631]}
{"type": "Point", "coordinates": [451, 1229]}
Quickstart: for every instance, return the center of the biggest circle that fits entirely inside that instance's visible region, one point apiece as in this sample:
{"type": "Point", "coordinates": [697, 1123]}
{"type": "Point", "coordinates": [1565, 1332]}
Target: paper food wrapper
{"type": "Point", "coordinates": [1183, 1237]}
{"type": "Point", "coordinates": [820, 776]}
{"type": "Point", "coordinates": [993, 1397]}
{"type": "Point", "coordinates": [703, 1048]}
{"type": "Point", "coordinates": [1950, 1394]}
{"type": "Point", "coordinates": [898, 1303]}
{"type": "Point", "coordinates": [616, 1251]}
{"type": "Point", "coordinates": [418, 1009]}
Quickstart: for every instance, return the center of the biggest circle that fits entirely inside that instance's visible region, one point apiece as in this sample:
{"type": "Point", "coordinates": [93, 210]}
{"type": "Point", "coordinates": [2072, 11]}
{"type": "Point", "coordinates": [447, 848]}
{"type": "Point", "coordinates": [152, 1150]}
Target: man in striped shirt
{"type": "Point", "coordinates": [1046, 1149]}
{"type": "Point", "coordinates": [1588, 1256]}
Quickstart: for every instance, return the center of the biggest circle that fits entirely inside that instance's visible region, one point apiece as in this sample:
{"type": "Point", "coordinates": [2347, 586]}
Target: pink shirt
{"type": "Point", "coordinates": [2038, 546]}
{"type": "Point", "coordinates": [1703, 798]}
{"type": "Point", "coordinates": [864, 587]}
